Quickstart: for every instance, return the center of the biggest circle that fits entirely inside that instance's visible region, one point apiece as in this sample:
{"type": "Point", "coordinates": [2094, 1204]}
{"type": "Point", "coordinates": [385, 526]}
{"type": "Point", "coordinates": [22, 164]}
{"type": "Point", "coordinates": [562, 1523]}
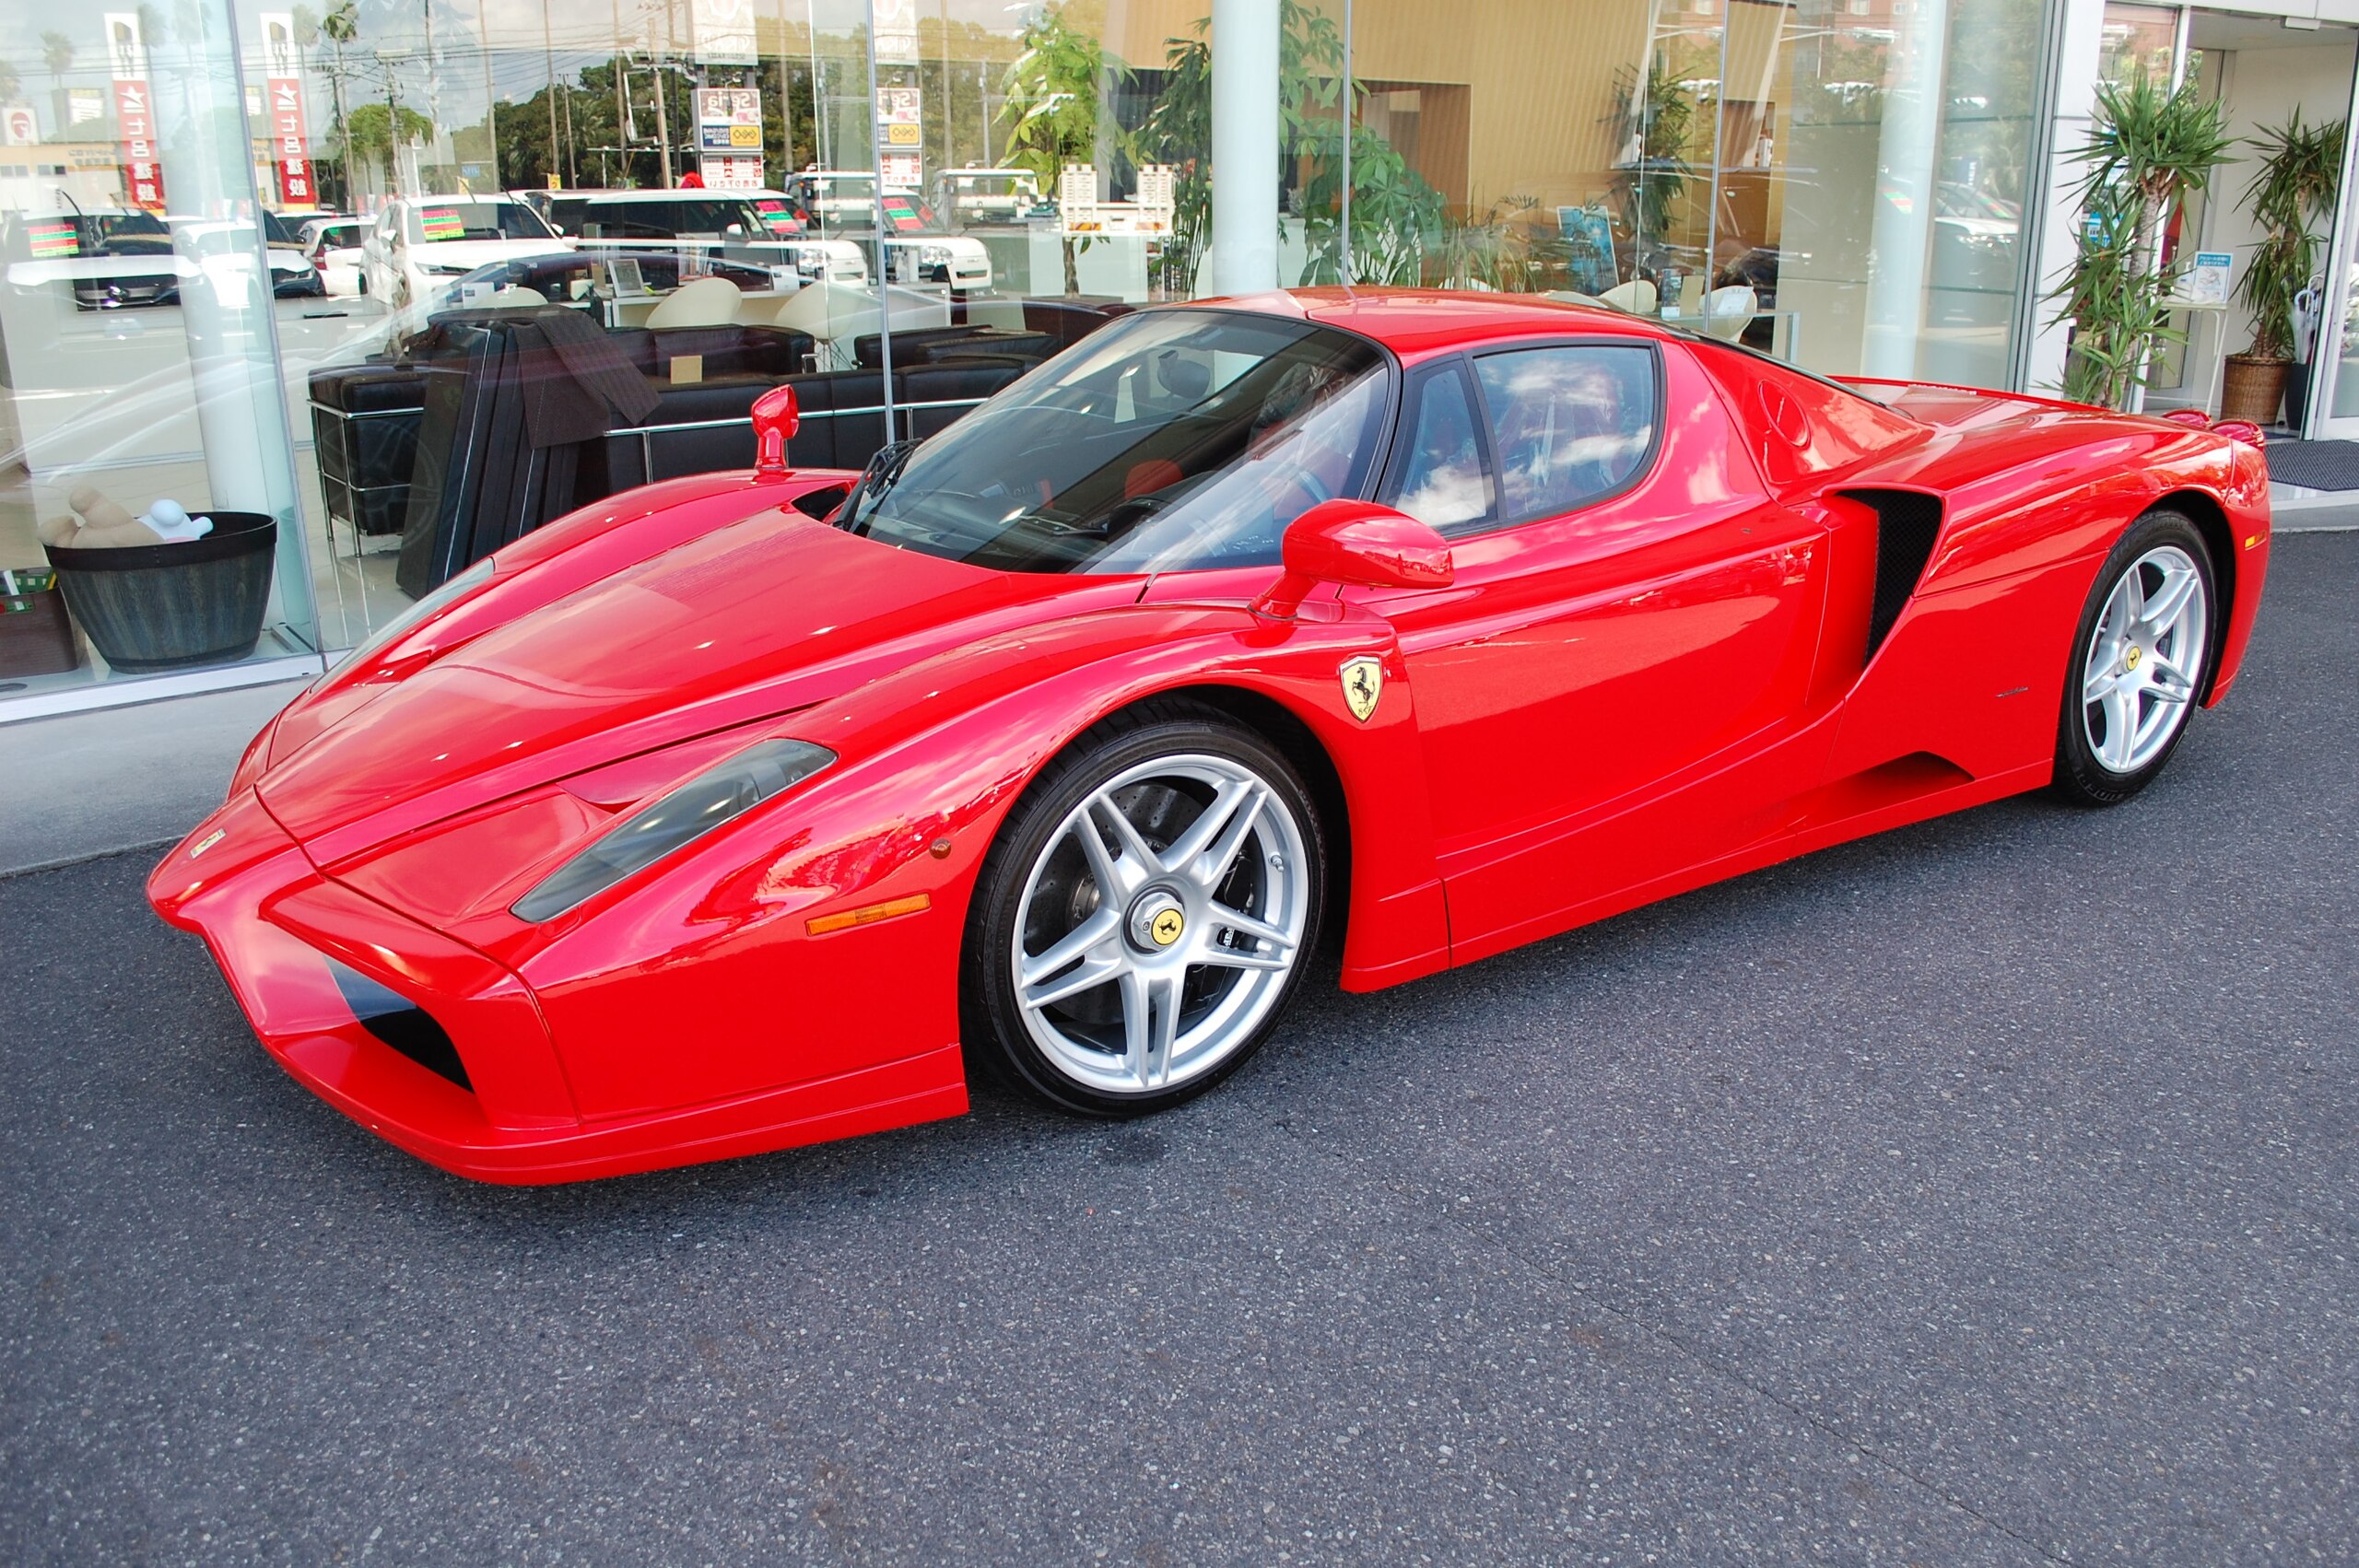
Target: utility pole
{"type": "Point", "coordinates": [663, 121]}
{"type": "Point", "coordinates": [548, 60]}
{"type": "Point", "coordinates": [622, 92]}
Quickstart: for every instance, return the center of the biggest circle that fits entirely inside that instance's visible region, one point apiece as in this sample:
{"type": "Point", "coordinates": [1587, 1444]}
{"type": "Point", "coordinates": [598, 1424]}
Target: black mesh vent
{"type": "Point", "coordinates": [1906, 524]}
{"type": "Point", "coordinates": [401, 1023]}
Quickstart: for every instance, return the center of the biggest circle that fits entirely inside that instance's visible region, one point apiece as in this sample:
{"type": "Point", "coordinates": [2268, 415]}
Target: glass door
{"type": "Point", "coordinates": [2334, 352]}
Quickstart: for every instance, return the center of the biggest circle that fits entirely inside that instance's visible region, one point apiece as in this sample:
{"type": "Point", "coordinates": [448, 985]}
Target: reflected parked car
{"type": "Point", "coordinates": [420, 242]}
{"type": "Point", "coordinates": [113, 260]}
{"type": "Point", "coordinates": [765, 228]}
{"type": "Point", "coordinates": [1975, 239]}
{"type": "Point", "coordinates": [915, 251]}
{"type": "Point", "coordinates": [332, 246]}
{"type": "Point", "coordinates": [986, 197]}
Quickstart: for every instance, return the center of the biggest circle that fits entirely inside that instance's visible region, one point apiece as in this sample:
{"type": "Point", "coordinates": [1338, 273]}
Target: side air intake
{"type": "Point", "coordinates": [1907, 523]}
{"type": "Point", "coordinates": [401, 1023]}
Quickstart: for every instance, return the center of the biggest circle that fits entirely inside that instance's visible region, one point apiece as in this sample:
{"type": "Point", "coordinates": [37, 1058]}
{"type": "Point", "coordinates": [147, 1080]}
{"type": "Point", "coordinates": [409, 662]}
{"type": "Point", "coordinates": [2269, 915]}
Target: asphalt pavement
{"type": "Point", "coordinates": [1981, 1193]}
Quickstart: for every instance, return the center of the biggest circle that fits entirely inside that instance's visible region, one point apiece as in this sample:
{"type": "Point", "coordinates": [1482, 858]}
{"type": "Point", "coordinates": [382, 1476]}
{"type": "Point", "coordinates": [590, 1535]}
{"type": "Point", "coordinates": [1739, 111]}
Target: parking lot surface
{"type": "Point", "coordinates": [1982, 1193]}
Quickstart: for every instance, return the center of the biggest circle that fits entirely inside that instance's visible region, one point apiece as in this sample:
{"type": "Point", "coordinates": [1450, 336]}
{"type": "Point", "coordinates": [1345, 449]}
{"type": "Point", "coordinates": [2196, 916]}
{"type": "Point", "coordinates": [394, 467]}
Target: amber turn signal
{"type": "Point", "coordinates": [868, 915]}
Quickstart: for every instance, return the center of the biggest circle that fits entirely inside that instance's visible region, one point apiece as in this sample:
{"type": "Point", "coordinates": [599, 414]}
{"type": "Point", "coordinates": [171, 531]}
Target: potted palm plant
{"type": "Point", "coordinates": [2291, 193]}
{"type": "Point", "coordinates": [2150, 148]}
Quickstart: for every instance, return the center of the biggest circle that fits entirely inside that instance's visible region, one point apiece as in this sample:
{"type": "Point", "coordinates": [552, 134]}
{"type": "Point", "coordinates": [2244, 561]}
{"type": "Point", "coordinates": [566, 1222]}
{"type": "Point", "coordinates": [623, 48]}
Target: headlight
{"type": "Point", "coordinates": [693, 809]}
{"type": "Point", "coordinates": [443, 270]}
{"type": "Point", "coordinates": [933, 255]}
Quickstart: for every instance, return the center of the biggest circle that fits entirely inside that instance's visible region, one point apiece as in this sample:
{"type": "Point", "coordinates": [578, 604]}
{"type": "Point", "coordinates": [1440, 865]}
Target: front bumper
{"type": "Point", "coordinates": [279, 930]}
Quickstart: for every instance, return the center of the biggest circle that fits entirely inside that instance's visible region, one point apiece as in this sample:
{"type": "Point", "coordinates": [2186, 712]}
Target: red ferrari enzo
{"type": "Point", "coordinates": [754, 809]}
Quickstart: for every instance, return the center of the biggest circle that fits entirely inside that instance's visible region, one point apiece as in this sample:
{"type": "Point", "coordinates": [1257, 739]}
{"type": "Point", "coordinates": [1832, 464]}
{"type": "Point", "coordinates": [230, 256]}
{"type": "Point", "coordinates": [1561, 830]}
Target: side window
{"type": "Point", "coordinates": [1443, 479]}
{"type": "Point", "coordinates": [1568, 423]}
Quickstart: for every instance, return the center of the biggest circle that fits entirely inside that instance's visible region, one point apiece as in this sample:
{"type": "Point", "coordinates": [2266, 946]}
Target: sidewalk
{"type": "Point", "coordinates": [2314, 486]}
{"type": "Point", "coordinates": [88, 784]}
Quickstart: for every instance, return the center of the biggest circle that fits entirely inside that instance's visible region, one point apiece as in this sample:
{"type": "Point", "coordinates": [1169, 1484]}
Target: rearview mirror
{"type": "Point", "coordinates": [1366, 545]}
{"type": "Point", "coordinates": [777, 416]}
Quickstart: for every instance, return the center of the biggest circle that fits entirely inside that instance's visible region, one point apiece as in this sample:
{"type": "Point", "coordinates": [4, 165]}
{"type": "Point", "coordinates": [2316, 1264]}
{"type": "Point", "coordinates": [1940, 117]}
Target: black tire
{"type": "Point", "coordinates": [997, 1043]}
{"type": "Point", "coordinates": [2081, 777]}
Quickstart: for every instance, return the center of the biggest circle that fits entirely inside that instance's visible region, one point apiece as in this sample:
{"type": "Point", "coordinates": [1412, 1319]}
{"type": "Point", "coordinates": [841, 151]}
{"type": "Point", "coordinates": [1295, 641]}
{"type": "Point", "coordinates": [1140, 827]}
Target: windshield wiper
{"type": "Point", "coordinates": [884, 471]}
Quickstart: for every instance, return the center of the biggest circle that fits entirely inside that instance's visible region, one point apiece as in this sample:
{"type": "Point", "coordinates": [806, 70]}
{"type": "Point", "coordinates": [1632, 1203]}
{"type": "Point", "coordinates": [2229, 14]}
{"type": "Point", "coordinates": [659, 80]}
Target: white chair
{"type": "Point", "coordinates": [701, 303]}
{"type": "Point", "coordinates": [1728, 311]}
{"type": "Point", "coordinates": [1637, 297]}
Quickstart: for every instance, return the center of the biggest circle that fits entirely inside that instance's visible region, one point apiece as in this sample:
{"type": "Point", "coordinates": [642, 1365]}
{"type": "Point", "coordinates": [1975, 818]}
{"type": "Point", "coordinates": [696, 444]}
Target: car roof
{"type": "Point", "coordinates": [616, 195]}
{"type": "Point", "coordinates": [1415, 323]}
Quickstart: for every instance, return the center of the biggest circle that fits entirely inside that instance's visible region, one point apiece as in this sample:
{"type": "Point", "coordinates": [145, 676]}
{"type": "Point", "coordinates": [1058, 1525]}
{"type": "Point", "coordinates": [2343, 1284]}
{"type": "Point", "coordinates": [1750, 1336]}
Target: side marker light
{"type": "Point", "coordinates": [868, 915]}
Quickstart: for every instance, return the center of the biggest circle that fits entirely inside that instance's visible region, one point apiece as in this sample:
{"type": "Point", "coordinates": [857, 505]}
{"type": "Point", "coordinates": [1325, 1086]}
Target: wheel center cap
{"type": "Point", "coordinates": [1157, 922]}
{"type": "Point", "coordinates": [2129, 660]}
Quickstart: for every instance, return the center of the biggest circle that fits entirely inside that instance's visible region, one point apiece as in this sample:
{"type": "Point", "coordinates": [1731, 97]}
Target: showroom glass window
{"type": "Point", "coordinates": [1837, 183]}
{"type": "Point", "coordinates": [150, 511]}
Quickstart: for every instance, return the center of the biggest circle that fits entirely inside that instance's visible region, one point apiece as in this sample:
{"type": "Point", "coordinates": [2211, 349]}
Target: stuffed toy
{"type": "Point", "coordinates": [98, 523]}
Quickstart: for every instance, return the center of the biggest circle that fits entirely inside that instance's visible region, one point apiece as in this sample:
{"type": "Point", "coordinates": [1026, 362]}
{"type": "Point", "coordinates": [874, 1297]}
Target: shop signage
{"type": "Point", "coordinates": [724, 33]}
{"type": "Point", "coordinates": [901, 137]}
{"type": "Point", "coordinates": [22, 127]}
{"type": "Point", "coordinates": [896, 31]}
{"type": "Point", "coordinates": [290, 153]}
{"type": "Point", "coordinates": [729, 137]}
{"type": "Point", "coordinates": [2204, 285]}
{"type": "Point", "coordinates": [135, 113]}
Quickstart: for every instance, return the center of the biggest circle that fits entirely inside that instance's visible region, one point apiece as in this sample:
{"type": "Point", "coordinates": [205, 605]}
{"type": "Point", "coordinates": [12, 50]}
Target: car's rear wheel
{"type": "Point", "coordinates": [1145, 913]}
{"type": "Point", "coordinates": [2140, 662]}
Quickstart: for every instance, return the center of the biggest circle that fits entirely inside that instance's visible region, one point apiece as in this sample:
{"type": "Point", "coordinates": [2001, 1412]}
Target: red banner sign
{"type": "Point", "coordinates": [288, 148]}
{"type": "Point", "coordinates": [134, 118]}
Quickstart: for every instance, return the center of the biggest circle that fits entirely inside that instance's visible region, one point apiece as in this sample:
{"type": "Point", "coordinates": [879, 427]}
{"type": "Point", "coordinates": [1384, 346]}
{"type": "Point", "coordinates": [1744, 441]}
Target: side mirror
{"type": "Point", "coordinates": [1357, 543]}
{"type": "Point", "coordinates": [777, 416]}
{"type": "Point", "coordinates": [1366, 545]}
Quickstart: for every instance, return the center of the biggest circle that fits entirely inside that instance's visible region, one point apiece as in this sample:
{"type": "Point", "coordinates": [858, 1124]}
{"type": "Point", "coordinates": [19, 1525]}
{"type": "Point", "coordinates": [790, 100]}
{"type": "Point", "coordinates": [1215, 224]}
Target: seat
{"type": "Point", "coordinates": [517, 294]}
{"type": "Point", "coordinates": [1728, 311]}
{"type": "Point", "coordinates": [1637, 297]}
{"type": "Point", "coordinates": [701, 303]}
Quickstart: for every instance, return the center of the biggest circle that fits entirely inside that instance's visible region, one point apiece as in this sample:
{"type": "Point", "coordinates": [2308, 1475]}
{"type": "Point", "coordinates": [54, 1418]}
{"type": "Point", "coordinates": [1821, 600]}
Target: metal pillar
{"type": "Point", "coordinates": [1245, 147]}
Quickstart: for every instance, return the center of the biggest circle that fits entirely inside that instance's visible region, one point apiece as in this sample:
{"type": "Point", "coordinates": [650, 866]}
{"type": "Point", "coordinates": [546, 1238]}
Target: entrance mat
{"type": "Point", "coordinates": [2319, 465]}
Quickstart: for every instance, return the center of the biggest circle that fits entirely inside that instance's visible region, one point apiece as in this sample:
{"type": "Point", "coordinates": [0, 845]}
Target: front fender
{"type": "Point", "coordinates": [718, 948]}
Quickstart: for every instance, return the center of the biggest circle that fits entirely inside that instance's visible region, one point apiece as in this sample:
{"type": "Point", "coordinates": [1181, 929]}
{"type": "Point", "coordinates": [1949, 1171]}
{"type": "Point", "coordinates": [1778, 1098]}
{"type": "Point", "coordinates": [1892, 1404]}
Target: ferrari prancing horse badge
{"type": "Point", "coordinates": [1363, 681]}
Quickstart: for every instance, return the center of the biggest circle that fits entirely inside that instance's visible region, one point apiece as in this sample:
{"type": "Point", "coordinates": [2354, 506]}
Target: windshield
{"type": "Point", "coordinates": [1171, 439]}
{"type": "Point", "coordinates": [473, 220]}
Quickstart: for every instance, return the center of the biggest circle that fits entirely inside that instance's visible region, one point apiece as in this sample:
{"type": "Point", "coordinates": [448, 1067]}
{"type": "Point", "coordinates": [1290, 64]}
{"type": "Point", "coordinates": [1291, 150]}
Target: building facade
{"type": "Point", "coordinates": [1881, 188]}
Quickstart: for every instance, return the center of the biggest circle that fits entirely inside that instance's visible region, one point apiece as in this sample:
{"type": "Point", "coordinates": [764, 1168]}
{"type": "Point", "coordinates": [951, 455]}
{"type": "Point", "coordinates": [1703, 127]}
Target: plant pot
{"type": "Point", "coordinates": [2297, 395]}
{"type": "Point", "coordinates": [36, 639]}
{"type": "Point", "coordinates": [2251, 387]}
{"type": "Point", "coordinates": [164, 606]}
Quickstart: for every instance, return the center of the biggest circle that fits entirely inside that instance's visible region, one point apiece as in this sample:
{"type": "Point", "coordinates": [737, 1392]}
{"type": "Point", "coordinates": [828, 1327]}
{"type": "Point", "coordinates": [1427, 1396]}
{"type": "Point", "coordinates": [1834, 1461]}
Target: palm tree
{"type": "Point", "coordinates": [340, 27]}
{"type": "Point", "coordinates": [56, 55]}
{"type": "Point", "coordinates": [1051, 106]}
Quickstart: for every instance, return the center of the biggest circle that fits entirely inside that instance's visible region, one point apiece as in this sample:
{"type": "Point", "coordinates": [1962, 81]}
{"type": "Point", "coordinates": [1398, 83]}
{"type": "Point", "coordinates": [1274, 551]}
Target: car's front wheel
{"type": "Point", "coordinates": [2139, 663]}
{"type": "Point", "coordinates": [1144, 915]}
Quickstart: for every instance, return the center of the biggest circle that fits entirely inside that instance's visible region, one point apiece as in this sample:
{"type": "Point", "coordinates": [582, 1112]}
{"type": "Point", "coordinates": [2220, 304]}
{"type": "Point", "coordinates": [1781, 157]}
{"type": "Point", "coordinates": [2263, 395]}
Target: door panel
{"type": "Point", "coordinates": [1582, 669]}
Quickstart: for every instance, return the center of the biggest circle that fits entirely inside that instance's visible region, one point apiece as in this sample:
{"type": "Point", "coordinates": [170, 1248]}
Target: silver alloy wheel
{"type": "Point", "coordinates": [2144, 658]}
{"type": "Point", "coordinates": [1160, 922]}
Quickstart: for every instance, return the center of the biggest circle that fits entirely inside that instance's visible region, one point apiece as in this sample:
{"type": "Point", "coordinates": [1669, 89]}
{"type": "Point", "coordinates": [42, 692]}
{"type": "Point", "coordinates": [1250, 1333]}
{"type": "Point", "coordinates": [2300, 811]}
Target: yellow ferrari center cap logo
{"type": "Point", "coordinates": [1363, 681]}
{"type": "Point", "coordinates": [1166, 927]}
{"type": "Point", "coordinates": [2129, 660]}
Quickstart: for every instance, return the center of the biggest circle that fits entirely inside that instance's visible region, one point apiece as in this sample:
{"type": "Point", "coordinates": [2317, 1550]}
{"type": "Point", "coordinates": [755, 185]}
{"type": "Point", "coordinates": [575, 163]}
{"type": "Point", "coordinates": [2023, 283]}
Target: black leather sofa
{"type": "Point", "coordinates": [479, 430]}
